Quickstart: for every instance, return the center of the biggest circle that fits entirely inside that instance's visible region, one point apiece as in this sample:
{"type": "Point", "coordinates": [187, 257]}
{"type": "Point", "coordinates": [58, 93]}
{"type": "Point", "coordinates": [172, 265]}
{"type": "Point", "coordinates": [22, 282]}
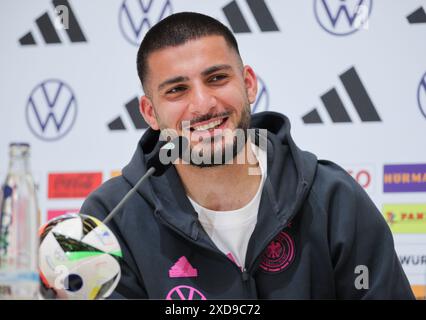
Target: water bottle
{"type": "Point", "coordinates": [18, 228]}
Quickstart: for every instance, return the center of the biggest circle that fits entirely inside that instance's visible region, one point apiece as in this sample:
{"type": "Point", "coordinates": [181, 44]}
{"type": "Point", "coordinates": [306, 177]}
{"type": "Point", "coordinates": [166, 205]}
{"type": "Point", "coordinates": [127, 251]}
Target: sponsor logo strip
{"type": "Point", "coordinates": [404, 178]}
{"type": "Point", "coordinates": [73, 185]}
{"type": "Point", "coordinates": [405, 218]}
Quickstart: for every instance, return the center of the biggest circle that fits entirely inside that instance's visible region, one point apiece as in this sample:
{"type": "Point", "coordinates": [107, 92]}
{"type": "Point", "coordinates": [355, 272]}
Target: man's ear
{"type": "Point", "coordinates": [250, 81]}
{"type": "Point", "coordinates": [147, 111]}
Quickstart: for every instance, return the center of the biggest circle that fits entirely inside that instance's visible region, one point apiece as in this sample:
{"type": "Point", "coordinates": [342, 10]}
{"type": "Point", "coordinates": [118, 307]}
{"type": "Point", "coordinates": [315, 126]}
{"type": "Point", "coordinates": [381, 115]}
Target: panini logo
{"type": "Point", "coordinates": [73, 185]}
{"type": "Point", "coordinates": [405, 218]}
{"type": "Point", "coordinates": [404, 178]}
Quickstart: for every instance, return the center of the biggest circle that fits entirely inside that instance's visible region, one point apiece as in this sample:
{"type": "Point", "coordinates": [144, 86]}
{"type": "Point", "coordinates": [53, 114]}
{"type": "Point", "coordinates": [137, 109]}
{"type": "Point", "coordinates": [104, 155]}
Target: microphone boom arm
{"type": "Point", "coordinates": [118, 207]}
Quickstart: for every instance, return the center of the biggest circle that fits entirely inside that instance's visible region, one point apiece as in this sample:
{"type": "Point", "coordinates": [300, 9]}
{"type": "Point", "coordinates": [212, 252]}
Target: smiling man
{"type": "Point", "coordinates": [211, 92]}
{"type": "Point", "coordinates": [279, 224]}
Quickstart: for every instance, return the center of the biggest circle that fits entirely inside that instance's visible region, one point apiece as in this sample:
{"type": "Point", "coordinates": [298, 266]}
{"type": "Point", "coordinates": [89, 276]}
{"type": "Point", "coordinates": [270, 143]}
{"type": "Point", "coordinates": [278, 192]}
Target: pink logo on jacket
{"type": "Point", "coordinates": [279, 254]}
{"type": "Point", "coordinates": [183, 269]}
{"type": "Point", "coordinates": [185, 293]}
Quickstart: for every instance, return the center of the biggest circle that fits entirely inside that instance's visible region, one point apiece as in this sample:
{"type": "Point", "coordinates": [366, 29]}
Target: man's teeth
{"type": "Point", "coordinates": [209, 125]}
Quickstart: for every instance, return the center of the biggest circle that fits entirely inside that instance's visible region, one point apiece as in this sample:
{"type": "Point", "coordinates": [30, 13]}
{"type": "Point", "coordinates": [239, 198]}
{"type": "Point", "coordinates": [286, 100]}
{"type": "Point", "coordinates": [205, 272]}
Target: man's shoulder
{"type": "Point", "coordinates": [333, 171]}
{"type": "Point", "coordinates": [336, 193]}
{"type": "Point", "coordinates": [332, 180]}
{"type": "Point", "coordinates": [114, 186]}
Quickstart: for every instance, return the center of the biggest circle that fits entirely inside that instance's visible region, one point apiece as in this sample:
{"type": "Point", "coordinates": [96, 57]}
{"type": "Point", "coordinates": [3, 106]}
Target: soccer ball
{"type": "Point", "coordinates": [79, 257]}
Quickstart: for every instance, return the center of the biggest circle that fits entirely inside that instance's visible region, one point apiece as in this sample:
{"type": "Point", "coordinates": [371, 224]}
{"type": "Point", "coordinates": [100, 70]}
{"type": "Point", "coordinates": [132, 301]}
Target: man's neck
{"type": "Point", "coordinates": [224, 187]}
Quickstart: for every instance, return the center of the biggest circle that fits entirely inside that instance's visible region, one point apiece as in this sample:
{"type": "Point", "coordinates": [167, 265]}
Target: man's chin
{"type": "Point", "coordinates": [215, 155]}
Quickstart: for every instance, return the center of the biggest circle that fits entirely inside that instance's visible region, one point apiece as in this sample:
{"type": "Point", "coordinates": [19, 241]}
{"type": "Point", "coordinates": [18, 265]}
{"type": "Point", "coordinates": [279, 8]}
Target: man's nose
{"type": "Point", "coordinates": [202, 100]}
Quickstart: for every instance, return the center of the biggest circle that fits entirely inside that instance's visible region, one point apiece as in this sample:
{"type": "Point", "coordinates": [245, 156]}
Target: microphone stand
{"type": "Point", "coordinates": [118, 207]}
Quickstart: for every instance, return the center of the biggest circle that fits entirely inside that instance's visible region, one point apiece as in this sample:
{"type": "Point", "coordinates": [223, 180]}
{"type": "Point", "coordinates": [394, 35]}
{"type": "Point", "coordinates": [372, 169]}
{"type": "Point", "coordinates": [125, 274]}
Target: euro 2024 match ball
{"type": "Point", "coordinates": [79, 257]}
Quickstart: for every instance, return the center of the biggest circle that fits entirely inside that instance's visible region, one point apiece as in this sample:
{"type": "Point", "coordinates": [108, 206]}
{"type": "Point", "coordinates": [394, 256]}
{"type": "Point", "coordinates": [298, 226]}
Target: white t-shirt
{"type": "Point", "coordinates": [231, 230]}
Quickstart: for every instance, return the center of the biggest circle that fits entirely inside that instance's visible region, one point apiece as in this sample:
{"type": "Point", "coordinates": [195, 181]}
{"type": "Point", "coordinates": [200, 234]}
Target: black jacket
{"type": "Point", "coordinates": [315, 227]}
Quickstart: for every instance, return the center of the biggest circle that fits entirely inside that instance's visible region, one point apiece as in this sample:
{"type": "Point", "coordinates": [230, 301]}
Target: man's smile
{"type": "Point", "coordinates": [216, 123]}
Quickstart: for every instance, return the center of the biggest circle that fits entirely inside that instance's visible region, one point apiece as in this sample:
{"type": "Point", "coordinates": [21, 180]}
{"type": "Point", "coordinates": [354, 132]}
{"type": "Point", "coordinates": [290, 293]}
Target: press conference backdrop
{"type": "Point", "coordinates": [350, 75]}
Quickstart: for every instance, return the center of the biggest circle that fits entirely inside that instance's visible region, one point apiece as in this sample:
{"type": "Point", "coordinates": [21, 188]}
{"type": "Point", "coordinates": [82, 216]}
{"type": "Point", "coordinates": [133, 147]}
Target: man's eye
{"type": "Point", "coordinates": [175, 90]}
{"type": "Point", "coordinates": [218, 77]}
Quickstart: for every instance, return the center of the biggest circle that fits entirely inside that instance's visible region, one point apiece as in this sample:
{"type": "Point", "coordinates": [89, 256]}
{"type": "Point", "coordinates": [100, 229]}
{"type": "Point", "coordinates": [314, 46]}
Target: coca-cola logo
{"type": "Point", "coordinates": [73, 185]}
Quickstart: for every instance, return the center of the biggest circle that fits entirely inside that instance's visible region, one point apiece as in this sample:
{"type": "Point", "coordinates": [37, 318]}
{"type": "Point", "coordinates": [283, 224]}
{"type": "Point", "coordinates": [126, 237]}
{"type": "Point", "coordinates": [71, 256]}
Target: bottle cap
{"type": "Point", "coordinates": [19, 144]}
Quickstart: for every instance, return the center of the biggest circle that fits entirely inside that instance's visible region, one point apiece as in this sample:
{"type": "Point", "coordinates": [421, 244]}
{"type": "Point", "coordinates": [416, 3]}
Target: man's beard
{"type": "Point", "coordinates": [226, 153]}
{"type": "Point", "coordinates": [229, 151]}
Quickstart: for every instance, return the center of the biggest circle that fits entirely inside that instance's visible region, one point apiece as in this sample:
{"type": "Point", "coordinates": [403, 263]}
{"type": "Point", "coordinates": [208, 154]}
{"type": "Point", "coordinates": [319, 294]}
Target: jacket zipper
{"type": "Point", "coordinates": [272, 237]}
{"type": "Point", "coordinates": [245, 275]}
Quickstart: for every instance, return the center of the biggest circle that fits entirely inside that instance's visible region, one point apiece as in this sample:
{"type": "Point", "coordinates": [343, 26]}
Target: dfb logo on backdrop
{"type": "Point", "coordinates": [51, 110]}
{"type": "Point", "coordinates": [421, 95]}
{"type": "Point", "coordinates": [136, 17]}
{"type": "Point", "coordinates": [262, 98]}
{"type": "Point", "coordinates": [342, 17]}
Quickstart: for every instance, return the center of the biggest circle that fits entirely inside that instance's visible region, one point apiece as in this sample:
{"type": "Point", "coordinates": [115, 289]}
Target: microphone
{"type": "Point", "coordinates": [166, 153]}
{"type": "Point", "coordinates": [163, 157]}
